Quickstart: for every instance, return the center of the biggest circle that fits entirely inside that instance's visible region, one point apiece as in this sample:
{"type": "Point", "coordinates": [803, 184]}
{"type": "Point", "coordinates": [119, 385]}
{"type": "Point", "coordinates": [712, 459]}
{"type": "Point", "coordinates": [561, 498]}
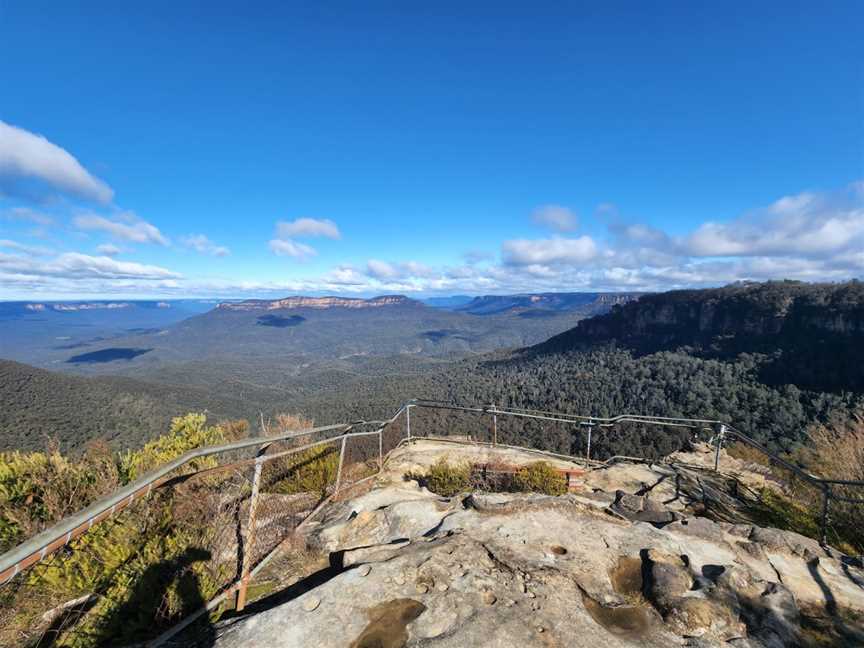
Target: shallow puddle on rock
{"type": "Point", "coordinates": [388, 623]}
{"type": "Point", "coordinates": [632, 621]}
{"type": "Point", "coordinates": [628, 621]}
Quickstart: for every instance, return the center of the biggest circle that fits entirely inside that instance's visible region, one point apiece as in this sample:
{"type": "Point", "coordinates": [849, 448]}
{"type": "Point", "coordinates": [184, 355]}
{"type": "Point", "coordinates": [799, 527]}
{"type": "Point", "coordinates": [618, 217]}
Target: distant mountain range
{"type": "Point", "coordinates": [295, 331]}
{"type": "Point", "coordinates": [46, 333]}
{"type": "Point", "coordinates": [289, 303]}
{"type": "Point", "coordinates": [772, 358]}
{"type": "Point", "coordinates": [307, 330]}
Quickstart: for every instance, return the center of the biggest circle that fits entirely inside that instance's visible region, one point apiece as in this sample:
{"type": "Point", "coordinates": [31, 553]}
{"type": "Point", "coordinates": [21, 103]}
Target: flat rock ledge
{"type": "Point", "coordinates": [621, 563]}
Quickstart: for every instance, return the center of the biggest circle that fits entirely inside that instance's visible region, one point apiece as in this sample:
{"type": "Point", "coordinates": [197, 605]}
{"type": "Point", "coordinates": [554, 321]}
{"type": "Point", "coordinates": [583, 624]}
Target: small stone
{"type": "Point", "coordinates": [311, 603]}
{"type": "Point", "coordinates": [422, 588]}
{"type": "Point", "coordinates": [541, 629]}
{"type": "Point", "coordinates": [489, 598]}
{"type": "Point", "coordinates": [532, 595]}
{"type": "Point", "coordinates": [364, 570]}
{"type": "Point", "coordinates": [399, 579]}
{"type": "Point", "coordinates": [442, 587]}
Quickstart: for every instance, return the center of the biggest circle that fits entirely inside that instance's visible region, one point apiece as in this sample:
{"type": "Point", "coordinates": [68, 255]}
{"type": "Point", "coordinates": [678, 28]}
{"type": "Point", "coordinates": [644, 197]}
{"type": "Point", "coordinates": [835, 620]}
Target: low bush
{"type": "Point", "coordinates": [540, 477]}
{"type": "Point", "coordinates": [448, 479]}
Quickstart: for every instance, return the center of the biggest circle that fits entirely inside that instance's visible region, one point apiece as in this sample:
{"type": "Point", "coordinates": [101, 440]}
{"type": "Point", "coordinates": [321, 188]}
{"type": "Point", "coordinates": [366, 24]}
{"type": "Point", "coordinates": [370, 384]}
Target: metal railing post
{"type": "Point", "coordinates": [408, 421]}
{"type": "Point", "coordinates": [721, 433]}
{"type": "Point", "coordinates": [588, 449]}
{"type": "Point", "coordinates": [249, 542]}
{"type": "Point", "coordinates": [494, 425]}
{"type": "Point", "coordinates": [823, 521]}
{"type": "Point", "coordinates": [380, 450]}
{"type": "Point", "coordinates": [339, 471]}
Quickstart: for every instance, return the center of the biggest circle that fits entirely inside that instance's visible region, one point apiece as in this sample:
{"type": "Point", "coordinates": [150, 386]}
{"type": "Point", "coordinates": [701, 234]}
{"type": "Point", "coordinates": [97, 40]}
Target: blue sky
{"type": "Point", "coordinates": [215, 149]}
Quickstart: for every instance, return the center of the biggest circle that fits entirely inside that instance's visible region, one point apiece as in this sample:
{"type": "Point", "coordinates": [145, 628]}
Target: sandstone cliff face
{"type": "Point", "coordinates": [622, 561]}
{"type": "Point", "coordinates": [756, 310]}
{"type": "Point", "coordinates": [317, 302]}
{"type": "Point", "coordinates": [812, 334]}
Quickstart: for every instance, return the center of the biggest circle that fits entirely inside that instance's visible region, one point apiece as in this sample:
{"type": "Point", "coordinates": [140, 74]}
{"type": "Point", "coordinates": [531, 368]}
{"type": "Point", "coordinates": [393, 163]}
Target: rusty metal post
{"type": "Point", "coordinates": [408, 421]}
{"type": "Point", "coordinates": [250, 533]}
{"type": "Point", "coordinates": [494, 425]}
{"type": "Point", "coordinates": [721, 433]}
{"type": "Point", "coordinates": [823, 522]}
{"type": "Point", "coordinates": [341, 461]}
{"type": "Point", "coordinates": [588, 449]}
{"type": "Point", "coordinates": [380, 449]}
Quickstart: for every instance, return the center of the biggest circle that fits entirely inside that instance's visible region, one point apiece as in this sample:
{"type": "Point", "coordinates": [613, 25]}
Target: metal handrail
{"type": "Point", "coordinates": [37, 547]}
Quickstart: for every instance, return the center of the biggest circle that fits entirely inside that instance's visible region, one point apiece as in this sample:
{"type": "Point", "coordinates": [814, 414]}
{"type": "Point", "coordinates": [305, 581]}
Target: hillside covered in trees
{"type": "Point", "coordinates": [772, 359]}
{"type": "Point", "coordinates": [38, 406]}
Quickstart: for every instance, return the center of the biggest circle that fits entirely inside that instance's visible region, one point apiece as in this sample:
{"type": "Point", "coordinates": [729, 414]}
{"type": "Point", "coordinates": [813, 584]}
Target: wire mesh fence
{"type": "Point", "coordinates": [195, 536]}
{"type": "Point", "coordinates": [136, 572]}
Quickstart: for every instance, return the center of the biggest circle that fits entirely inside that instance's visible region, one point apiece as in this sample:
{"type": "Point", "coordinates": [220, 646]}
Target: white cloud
{"type": "Point", "coordinates": [812, 236]}
{"type": "Point", "coordinates": [560, 219]}
{"type": "Point", "coordinates": [526, 252]}
{"type": "Point", "coordinates": [27, 214]}
{"type": "Point", "coordinates": [404, 270]}
{"type": "Point", "coordinates": [129, 228]}
{"type": "Point", "coordinates": [73, 265]}
{"type": "Point", "coordinates": [200, 243]}
{"type": "Point", "coordinates": [344, 276]}
{"type": "Point", "coordinates": [307, 227]}
{"type": "Point", "coordinates": [25, 249]}
{"type": "Point", "coordinates": [108, 249]}
{"type": "Point", "coordinates": [808, 224]}
{"type": "Point", "coordinates": [25, 156]}
{"type": "Point", "coordinates": [287, 247]}
{"type": "Point", "coordinates": [381, 269]}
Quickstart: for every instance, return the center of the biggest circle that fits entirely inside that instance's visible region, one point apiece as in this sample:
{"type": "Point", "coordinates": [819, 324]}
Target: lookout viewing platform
{"type": "Point", "coordinates": [428, 528]}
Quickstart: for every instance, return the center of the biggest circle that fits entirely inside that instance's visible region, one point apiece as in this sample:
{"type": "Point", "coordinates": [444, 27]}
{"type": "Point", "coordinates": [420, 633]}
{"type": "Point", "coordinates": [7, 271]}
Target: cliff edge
{"type": "Point", "coordinates": [634, 555]}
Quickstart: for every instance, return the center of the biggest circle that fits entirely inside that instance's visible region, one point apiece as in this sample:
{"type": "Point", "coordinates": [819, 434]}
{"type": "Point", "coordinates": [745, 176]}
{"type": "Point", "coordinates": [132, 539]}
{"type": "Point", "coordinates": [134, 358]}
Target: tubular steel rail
{"type": "Point", "coordinates": [250, 560]}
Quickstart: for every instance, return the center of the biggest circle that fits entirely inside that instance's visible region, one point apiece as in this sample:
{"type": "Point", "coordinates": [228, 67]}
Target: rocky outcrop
{"type": "Point", "coordinates": [317, 302]}
{"type": "Point", "coordinates": [623, 561]}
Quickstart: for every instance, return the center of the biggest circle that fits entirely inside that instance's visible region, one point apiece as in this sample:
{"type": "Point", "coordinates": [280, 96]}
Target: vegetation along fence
{"type": "Point", "coordinates": [187, 540]}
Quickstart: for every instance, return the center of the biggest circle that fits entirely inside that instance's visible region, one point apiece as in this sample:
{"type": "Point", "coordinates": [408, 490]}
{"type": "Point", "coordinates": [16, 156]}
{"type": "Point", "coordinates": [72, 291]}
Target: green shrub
{"type": "Point", "coordinates": [311, 471]}
{"type": "Point", "coordinates": [141, 564]}
{"type": "Point", "coordinates": [187, 432]}
{"type": "Point", "coordinates": [540, 477]}
{"type": "Point", "coordinates": [448, 479]}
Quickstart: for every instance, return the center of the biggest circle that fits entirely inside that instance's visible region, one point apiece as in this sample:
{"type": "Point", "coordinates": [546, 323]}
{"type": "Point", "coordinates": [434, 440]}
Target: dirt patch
{"type": "Point", "coordinates": [388, 624]}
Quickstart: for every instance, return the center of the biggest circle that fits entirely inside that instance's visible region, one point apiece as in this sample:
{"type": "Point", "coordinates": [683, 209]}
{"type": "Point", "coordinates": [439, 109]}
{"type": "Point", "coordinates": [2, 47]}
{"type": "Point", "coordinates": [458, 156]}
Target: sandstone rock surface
{"type": "Point", "coordinates": [622, 562]}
